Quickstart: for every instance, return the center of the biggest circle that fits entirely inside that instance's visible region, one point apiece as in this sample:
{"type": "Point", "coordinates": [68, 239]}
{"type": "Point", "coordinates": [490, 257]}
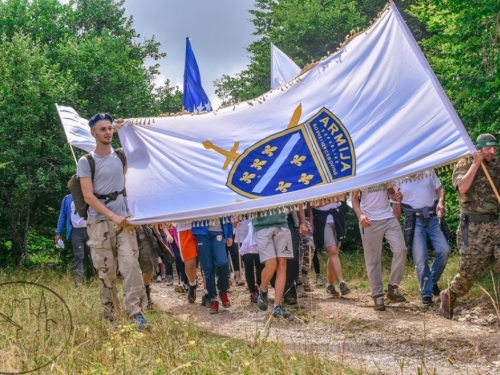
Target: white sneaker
{"type": "Point", "coordinates": [158, 279]}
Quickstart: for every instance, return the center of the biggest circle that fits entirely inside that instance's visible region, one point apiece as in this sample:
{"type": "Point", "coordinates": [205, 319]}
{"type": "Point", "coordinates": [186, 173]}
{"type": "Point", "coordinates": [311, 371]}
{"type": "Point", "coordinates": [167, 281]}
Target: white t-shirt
{"type": "Point", "coordinates": [420, 192]}
{"type": "Point", "coordinates": [76, 220]}
{"type": "Point", "coordinates": [375, 202]}
{"type": "Point", "coordinates": [327, 207]}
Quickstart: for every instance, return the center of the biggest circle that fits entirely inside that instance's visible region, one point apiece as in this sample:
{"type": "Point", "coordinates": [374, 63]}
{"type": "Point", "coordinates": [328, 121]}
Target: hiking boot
{"type": "Point", "coordinates": [290, 299]}
{"type": "Point", "coordinates": [427, 302]}
{"type": "Point", "coordinates": [254, 297]}
{"type": "Point", "coordinates": [379, 302]}
{"type": "Point", "coordinates": [214, 306]}
{"type": "Point", "coordinates": [262, 301]}
{"type": "Point", "coordinates": [344, 289]}
{"type": "Point", "coordinates": [435, 290]}
{"type": "Point", "coordinates": [140, 322]}
{"type": "Point", "coordinates": [78, 276]}
{"type": "Point", "coordinates": [192, 294]}
{"type": "Point", "coordinates": [319, 281]}
{"type": "Point", "coordinates": [224, 299]}
{"type": "Point", "coordinates": [301, 293]}
{"type": "Point", "coordinates": [205, 301]}
{"type": "Point", "coordinates": [239, 282]}
{"type": "Point", "coordinates": [330, 288]}
{"type": "Point", "coordinates": [394, 294]}
{"type": "Point", "coordinates": [447, 303]}
{"type": "Point", "coordinates": [170, 280]}
{"type": "Point", "coordinates": [278, 311]}
{"type": "Point", "coordinates": [306, 283]}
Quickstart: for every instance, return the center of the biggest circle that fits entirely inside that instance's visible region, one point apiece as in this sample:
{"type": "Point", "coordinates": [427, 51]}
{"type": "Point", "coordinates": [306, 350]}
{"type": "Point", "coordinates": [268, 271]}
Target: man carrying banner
{"type": "Point", "coordinates": [376, 221]}
{"type": "Point", "coordinates": [478, 237]}
{"type": "Point", "coordinates": [110, 242]}
{"type": "Point", "coordinates": [423, 206]}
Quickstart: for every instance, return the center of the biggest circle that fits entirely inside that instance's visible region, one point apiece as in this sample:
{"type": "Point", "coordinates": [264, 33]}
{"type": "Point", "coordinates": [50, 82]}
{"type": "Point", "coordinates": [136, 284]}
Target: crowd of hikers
{"type": "Point", "coordinates": [277, 246]}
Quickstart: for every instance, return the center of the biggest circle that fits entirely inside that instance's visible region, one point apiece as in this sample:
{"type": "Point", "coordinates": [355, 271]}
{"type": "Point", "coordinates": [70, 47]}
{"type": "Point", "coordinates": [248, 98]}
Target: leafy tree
{"type": "Point", "coordinates": [464, 53]}
{"type": "Point", "coordinates": [31, 84]}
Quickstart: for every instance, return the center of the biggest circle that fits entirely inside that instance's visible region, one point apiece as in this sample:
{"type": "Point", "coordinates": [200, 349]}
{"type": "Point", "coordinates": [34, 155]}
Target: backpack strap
{"type": "Point", "coordinates": [91, 162]}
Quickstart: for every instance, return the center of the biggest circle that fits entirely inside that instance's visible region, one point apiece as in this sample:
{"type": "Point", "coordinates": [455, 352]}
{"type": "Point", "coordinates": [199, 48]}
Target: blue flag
{"type": "Point", "coordinates": [194, 98]}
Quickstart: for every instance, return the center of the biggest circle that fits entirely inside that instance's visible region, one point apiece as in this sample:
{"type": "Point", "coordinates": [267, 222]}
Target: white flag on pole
{"type": "Point", "coordinates": [283, 69]}
{"type": "Point", "coordinates": [76, 128]}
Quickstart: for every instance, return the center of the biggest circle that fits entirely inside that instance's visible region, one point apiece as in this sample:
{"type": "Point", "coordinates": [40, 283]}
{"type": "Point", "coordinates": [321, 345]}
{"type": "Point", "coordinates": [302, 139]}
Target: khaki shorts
{"type": "Point", "coordinates": [274, 242]}
{"type": "Point", "coordinates": [187, 245]}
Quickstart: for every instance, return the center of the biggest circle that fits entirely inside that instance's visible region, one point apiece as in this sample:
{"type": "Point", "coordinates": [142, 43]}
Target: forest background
{"type": "Point", "coordinates": [87, 55]}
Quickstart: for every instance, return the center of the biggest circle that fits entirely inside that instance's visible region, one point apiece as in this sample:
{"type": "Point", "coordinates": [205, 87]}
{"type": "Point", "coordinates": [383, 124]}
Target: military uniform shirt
{"type": "Point", "coordinates": [480, 197]}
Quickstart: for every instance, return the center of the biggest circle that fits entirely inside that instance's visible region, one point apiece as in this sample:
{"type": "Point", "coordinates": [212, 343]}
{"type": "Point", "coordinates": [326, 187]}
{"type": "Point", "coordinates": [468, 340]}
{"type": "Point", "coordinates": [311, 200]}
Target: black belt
{"type": "Point", "coordinates": [482, 218]}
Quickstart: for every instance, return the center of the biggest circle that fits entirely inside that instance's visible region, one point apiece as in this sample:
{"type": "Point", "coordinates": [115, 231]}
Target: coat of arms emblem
{"type": "Point", "coordinates": [317, 152]}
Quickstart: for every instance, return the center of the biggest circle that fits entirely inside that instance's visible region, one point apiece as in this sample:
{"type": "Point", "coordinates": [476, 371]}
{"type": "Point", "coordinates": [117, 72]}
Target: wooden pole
{"type": "Point", "coordinates": [490, 180]}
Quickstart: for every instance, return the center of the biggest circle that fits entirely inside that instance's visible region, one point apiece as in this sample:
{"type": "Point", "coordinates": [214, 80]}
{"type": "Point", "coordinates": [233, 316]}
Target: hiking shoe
{"type": "Point", "coordinates": [192, 294]}
{"type": "Point", "coordinates": [394, 294]}
{"type": "Point", "coordinates": [379, 303]}
{"type": "Point", "coordinates": [262, 301]}
{"type": "Point", "coordinates": [319, 281]}
{"type": "Point", "coordinates": [239, 282]}
{"type": "Point", "coordinates": [224, 299]}
{"type": "Point", "coordinates": [290, 299]}
{"type": "Point", "coordinates": [170, 280]}
{"type": "Point", "coordinates": [205, 301]}
{"type": "Point", "coordinates": [140, 322]}
{"type": "Point", "coordinates": [435, 290]}
{"type": "Point", "coordinates": [180, 289]}
{"type": "Point", "coordinates": [344, 289]}
{"type": "Point", "coordinates": [330, 288]}
{"type": "Point", "coordinates": [254, 297]}
{"type": "Point", "coordinates": [306, 283]}
{"type": "Point", "coordinates": [214, 306]}
{"type": "Point", "coordinates": [301, 293]}
{"type": "Point", "coordinates": [447, 304]}
{"type": "Point", "coordinates": [158, 279]}
{"type": "Point", "coordinates": [427, 302]}
{"type": "Point", "coordinates": [278, 311]}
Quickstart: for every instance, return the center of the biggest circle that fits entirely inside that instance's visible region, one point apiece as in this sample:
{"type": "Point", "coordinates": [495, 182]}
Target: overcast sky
{"type": "Point", "coordinates": [219, 30]}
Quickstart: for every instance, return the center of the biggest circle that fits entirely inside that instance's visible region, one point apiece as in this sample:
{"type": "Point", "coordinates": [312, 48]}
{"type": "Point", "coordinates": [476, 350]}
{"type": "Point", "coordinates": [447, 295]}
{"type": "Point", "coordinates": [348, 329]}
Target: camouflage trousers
{"type": "Point", "coordinates": [112, 247]}
{"type": "Point", "coordinates": [306, 249]}
{"type": "Point", "coordinates": [482, 250]}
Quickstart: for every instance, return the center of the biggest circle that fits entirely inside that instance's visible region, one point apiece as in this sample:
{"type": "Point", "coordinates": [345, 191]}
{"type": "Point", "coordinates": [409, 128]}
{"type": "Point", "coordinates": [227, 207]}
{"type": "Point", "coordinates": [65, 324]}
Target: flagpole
{"type": "Point", "coordinates": [490, 180]}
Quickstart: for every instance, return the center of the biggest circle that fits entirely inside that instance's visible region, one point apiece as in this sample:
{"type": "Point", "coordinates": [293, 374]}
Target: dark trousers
{"type": "Point", "coordinates": [232, 252]}
{"type": "Point", "coordinates": [316, 262]}
{"type": "Point", "coordinates": [292, 264]}
{"type": "Point", "coordinates": [179, 264]}
{"type": "Point", "coordinates": [213, 260]}
{"type": "Point", "coordinates": [81, 253]}
{"type": "Point", "coordinates": [253, 270]}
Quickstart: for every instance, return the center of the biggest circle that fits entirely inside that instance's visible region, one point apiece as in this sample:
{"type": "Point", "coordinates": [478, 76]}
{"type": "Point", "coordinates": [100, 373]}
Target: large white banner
{"type": "Point", "coordinates": [283, 68]}
{"type": "Point", "coordinates": [372, 112]}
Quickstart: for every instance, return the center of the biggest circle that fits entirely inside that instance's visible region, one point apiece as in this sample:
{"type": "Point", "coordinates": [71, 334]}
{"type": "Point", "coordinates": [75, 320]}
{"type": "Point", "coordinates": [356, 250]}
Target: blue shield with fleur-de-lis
{"type": "Point", "coordinates": [317, 152]}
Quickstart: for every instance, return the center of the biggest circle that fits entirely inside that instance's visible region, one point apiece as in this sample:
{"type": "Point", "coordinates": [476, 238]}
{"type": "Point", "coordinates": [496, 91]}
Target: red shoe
{"type": "Point", "coordinates": [224, 299]}
{"type": "Point", "coordinates": [214, 306]}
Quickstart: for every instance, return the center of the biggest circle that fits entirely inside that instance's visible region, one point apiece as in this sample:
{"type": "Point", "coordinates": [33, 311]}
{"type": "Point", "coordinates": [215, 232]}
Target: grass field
{"type": "Point", "coordinates": [169, 345]}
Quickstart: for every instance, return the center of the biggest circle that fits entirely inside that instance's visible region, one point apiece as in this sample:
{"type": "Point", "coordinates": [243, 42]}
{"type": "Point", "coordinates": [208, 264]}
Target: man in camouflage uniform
{"type": "Point", "coordinates": [478, 236]}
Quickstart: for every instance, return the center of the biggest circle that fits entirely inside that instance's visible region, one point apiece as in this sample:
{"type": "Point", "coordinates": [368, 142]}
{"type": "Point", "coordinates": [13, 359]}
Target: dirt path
{"type": "Point", "coordinates": [348, 330]}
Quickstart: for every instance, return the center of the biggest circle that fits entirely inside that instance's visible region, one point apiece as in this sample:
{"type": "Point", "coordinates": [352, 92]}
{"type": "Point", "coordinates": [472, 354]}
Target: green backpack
{"type": "Point", "coordinates": [75, 188]}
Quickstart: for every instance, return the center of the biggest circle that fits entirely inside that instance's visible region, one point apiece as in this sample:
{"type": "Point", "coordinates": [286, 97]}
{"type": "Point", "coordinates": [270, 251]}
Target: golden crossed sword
{"type": "Point", "coordinates": [232, 154]}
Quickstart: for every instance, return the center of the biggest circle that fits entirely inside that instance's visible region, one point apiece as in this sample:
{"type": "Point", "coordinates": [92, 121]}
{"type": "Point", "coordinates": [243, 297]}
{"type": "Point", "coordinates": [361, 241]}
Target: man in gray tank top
{"type": "Point", "coordinates": [111, 244]}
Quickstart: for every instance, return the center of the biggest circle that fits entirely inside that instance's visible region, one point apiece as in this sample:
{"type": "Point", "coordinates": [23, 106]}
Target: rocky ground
{"type": "Point", "coordinates": [405, 339]}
